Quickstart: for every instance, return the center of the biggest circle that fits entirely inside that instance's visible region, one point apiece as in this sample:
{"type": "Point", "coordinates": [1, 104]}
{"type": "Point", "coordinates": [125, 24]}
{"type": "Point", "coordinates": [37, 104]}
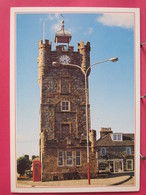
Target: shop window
{"type": "Point", "coordinates": [129, 164]}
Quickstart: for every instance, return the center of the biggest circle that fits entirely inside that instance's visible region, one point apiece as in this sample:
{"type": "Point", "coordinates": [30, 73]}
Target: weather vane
{"type": "Point", "coordinates": [62, 16]}
{"type": "Point", "coordinates": [62, 22]}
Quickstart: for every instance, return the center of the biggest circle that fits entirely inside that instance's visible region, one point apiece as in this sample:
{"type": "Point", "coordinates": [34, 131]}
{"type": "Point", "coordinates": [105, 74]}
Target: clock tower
{"type": "Point", "coordinates": [63, 139]}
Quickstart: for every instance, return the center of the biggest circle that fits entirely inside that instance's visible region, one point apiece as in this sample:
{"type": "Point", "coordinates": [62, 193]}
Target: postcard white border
{"type": "Point", "coordinates": [26, 10]}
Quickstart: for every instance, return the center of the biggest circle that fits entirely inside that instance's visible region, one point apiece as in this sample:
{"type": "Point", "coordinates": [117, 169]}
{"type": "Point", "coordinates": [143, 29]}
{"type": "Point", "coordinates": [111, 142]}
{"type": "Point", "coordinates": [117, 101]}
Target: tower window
{"type": "Point", "coordinates": [78, 158]}
{"type": "Point", "coordinates": [65, 106]}
{"type": "Point", "coordinates": [64, 48]}
{"type": "Point", "coordinates": [60, 158]}
{"type": "Point", "coordinates": [69, 158]}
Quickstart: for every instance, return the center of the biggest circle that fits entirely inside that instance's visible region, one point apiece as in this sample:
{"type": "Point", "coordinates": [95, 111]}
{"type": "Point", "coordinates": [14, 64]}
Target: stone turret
{"type": "Point", "coordinates": [43, 58]}
{"type": "Point", "coordinates": [84, 50]}
{"type": "Point", "coordinates": [92, 138]}
{"type": "Point", "coordinates": [43, 144]}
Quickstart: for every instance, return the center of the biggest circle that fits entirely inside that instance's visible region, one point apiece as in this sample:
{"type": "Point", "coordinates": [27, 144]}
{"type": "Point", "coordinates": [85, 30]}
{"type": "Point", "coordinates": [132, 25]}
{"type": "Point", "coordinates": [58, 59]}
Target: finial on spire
{"type": "Point", "coordinates": [62, 17]}
{"type": "Point", "coordinates": [62, 22]}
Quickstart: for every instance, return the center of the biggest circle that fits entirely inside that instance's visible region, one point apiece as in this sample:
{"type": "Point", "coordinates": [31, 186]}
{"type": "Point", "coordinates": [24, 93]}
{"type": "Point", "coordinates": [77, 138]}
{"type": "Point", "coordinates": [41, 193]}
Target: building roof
{"type": "Point", "coordinates": [128, 140]}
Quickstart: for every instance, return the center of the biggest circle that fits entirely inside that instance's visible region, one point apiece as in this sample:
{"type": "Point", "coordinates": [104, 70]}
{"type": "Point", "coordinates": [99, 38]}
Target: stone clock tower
{"type": "Point", "coordinates": [63, 140]}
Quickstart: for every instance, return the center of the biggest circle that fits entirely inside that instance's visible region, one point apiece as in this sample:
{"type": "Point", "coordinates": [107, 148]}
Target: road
{"type": "Point", "coordinates": [121, 180]}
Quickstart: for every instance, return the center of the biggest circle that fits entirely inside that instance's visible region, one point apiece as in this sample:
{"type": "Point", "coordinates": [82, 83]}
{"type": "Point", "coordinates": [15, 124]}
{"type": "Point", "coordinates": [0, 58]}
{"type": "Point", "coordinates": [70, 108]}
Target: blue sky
{"type": "Point", "coordinates": [111, 85]}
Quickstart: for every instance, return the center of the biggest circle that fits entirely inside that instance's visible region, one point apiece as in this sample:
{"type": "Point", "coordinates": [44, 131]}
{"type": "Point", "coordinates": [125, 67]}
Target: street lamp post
{"type": "Point", "coordinates": [115, 59]}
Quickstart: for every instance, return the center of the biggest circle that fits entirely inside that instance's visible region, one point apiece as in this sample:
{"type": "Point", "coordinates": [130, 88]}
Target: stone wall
{"type": "Point", "coordinates": [114, 154]}
{"type": "Point", "coordinates": [52, 170]}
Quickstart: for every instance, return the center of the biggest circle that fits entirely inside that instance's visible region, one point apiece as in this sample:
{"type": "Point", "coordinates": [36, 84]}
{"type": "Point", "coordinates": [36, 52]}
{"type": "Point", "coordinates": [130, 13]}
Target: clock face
{"type": "Point", "coordinates": [64, 59]}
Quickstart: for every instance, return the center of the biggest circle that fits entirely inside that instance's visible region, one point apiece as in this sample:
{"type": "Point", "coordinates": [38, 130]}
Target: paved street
{"type": "Point", "coordinates": [122, 180]}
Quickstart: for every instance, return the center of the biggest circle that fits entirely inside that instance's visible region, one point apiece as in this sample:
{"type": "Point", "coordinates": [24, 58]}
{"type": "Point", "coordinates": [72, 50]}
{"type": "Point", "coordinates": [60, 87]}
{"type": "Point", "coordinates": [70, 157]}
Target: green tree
{"type": "Point", "coordinates": [23, 164]}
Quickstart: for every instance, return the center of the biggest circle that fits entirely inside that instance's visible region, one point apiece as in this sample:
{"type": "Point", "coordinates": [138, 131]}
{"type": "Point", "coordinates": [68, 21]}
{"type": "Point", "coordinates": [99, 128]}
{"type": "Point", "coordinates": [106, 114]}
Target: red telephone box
{"type": "Point", "coordinates": [36, 170]}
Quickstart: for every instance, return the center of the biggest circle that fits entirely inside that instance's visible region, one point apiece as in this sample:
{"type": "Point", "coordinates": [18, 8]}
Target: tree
{"type": "Point", "coordinates": [23, 164]}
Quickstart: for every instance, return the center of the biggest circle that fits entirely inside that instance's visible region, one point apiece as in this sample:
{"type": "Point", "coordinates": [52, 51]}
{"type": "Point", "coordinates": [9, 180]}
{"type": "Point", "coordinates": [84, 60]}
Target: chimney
{"type": "Point", "coordinates": [105, 131]}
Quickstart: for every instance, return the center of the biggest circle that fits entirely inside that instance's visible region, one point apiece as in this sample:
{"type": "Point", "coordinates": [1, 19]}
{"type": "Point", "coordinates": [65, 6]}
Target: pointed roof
{"type": "Point", "coordinates": [62, 36]}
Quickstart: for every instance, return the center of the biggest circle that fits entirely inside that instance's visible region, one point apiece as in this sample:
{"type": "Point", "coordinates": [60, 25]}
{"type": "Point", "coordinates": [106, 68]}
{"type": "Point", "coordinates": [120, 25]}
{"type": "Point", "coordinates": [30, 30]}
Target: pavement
{"type": "Point", "coordinates": [99, 182]}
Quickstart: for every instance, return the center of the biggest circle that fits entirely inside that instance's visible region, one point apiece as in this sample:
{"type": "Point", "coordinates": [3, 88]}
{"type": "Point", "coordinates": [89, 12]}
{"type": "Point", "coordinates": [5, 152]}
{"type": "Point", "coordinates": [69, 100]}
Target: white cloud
{"type": "Point", "coordinates": [53, 16]}
{"type": "Point", "coordinates": [55, 22]}
{"type": "Point", "coordinates": [90, 30]}
{"type": "Point", "coordinates": [56, 27]}
{"type": "Point", "coordinates": [123, 20]}
{"type": "Point", "coordinates": [50, 17]}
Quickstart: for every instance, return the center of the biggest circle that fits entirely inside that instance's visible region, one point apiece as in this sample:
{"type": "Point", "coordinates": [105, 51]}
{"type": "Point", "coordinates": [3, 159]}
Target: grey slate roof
{"type": "Point", "coordinates": [128, 140]}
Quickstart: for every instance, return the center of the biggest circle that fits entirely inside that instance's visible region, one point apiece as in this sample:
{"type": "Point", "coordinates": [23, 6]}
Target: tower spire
{"type": "Point", "coordinates": [62, 27]}
{"type": "Point", "coordinates": [62, 36]}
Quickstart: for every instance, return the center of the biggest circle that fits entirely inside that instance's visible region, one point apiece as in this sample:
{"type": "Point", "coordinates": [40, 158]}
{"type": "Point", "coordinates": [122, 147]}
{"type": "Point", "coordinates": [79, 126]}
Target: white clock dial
{"type": "Point", "coordinates": [64, 59]}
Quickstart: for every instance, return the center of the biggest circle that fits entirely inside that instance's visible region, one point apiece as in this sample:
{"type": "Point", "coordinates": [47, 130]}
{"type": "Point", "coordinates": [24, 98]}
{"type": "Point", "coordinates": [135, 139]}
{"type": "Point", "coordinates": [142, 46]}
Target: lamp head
{"type": "Point", "coordinates": [55, 64]}
{"type": "Point", "coordinates": [115, 59]}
